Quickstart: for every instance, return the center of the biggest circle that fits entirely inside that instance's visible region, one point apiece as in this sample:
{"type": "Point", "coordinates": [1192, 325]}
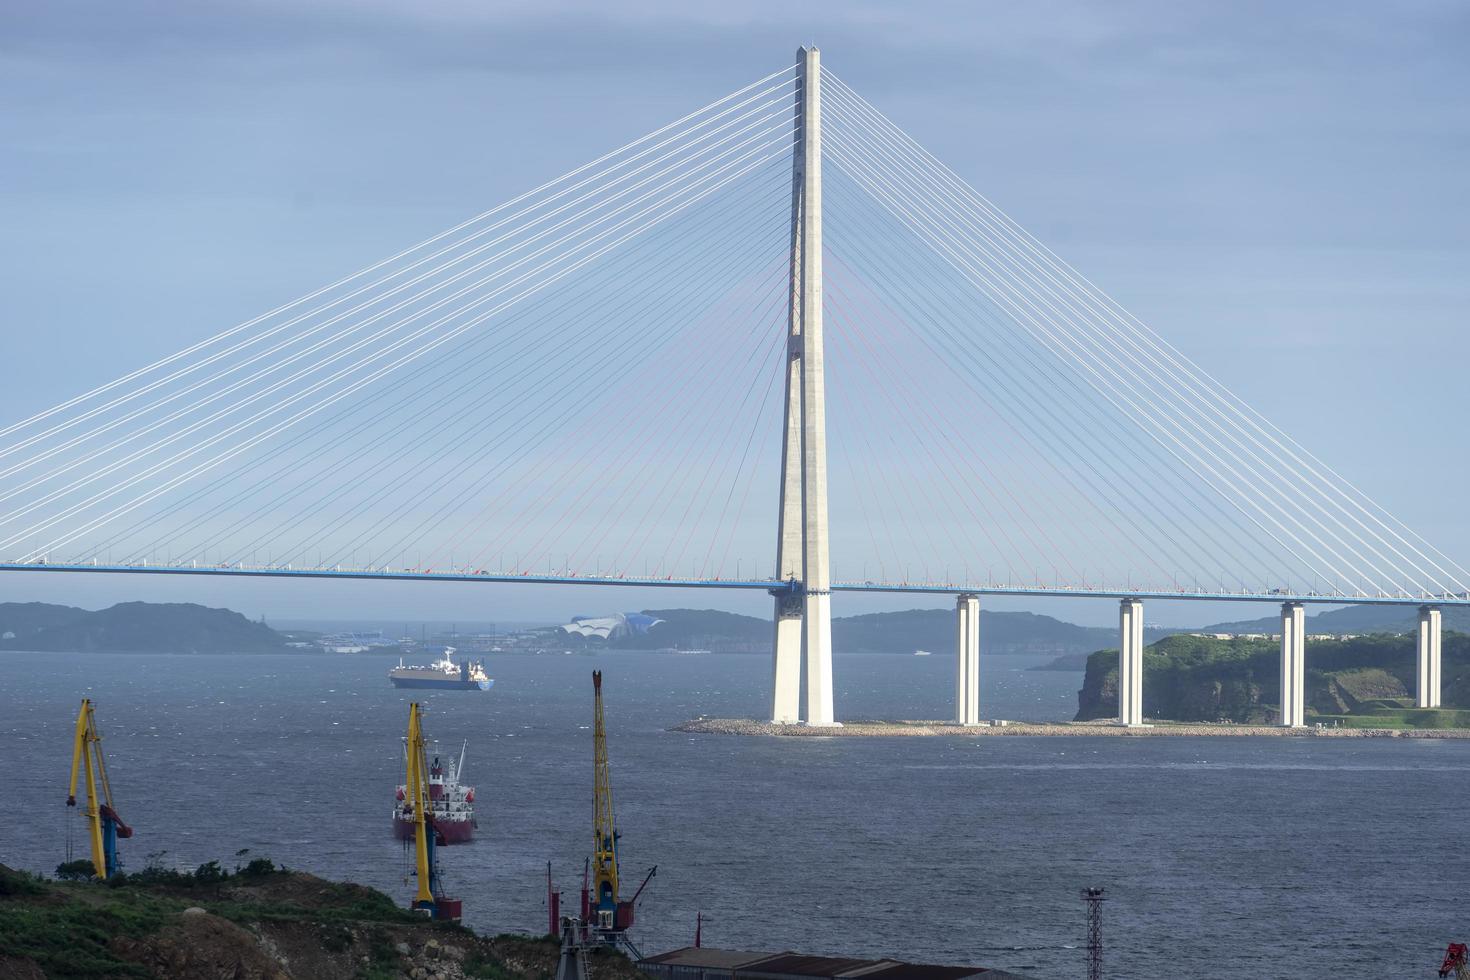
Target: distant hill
{"type": "Point", "coordinates": [933, 630]}
{"type": "Point", "coordinates": [1352, 619]}
{"type": "Point", "coordinates": [141, 627]}
{"type": "Point", "coordinates": [888, 632]}
{"type": "Point", "coordinates": [21, 619]}
{"type": "Point", "coordinates": [700, 629]}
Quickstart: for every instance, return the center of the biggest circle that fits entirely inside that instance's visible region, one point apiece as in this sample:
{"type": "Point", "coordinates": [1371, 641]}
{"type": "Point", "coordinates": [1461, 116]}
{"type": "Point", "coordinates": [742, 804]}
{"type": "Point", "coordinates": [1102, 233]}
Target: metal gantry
{"type": "Point", "coordinates": [1094, 897]}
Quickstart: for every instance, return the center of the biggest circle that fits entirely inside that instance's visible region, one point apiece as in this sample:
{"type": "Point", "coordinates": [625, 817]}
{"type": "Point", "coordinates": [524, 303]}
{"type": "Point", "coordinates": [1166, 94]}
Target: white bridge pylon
{"type": "Point", "coordinates": [803, 605]}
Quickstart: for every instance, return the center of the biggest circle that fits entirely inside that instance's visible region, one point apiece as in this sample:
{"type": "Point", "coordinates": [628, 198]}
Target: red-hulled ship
{"type": "Point", "coordinates": [452, 804]}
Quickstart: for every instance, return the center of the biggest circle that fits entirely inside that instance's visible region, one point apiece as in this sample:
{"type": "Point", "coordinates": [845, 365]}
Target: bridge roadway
{"type": "Point", "coordinates": [1292, 712]}
{"type": "Point", "coordinates": [764, 585]}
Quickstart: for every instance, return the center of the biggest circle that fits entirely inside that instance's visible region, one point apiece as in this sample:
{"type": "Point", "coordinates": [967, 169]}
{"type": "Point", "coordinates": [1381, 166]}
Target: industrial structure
{"type": "Point", "coordinates": [104, 826]}
{"type": "Point", "coordinates": [1094, 897]}
{"type": "Point", "coordinates": [606, 915]}
{"type": "Point", "coordinates": [1456, 962]}
{"type": "Point", "coordinates": [428, 896]}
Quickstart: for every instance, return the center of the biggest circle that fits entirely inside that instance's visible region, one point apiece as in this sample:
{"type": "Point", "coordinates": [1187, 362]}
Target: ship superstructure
{"type": "Point", "coordinates": [451, 803]}
{"type": "Point", "coordinates": [445, 674]}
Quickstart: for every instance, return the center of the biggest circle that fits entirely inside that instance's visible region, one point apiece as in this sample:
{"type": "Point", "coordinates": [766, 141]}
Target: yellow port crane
{"type": "Point", "coordinates": [608, 917]}
{"type": "Point", "coordinates": [429, 897]}
{"type": "Point", "coordinates": [604, 834]}
{"type": "Point", "coordinates": [104, 826]}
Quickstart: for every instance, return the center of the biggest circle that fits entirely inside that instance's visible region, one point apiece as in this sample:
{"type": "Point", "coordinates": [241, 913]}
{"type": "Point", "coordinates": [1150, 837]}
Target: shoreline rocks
{"type": "Point", "coordinates": [927, 729]}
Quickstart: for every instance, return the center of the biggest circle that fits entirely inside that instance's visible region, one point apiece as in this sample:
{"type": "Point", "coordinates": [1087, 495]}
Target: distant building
{"type": "Point", "coordinates": [353, 641]}
{"type": "Point", "coordinates": [612, 627]}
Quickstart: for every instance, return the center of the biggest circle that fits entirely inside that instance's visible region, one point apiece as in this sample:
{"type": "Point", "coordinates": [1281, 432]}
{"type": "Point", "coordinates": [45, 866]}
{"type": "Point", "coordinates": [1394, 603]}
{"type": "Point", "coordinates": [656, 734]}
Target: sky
{"type": "Point", "coordinates": [1278, 189]}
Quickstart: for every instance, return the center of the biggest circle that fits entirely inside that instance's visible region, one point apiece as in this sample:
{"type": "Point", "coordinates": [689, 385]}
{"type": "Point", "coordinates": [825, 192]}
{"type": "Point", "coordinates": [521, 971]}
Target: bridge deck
{"type": "Point", "coordinates": [911, 588]}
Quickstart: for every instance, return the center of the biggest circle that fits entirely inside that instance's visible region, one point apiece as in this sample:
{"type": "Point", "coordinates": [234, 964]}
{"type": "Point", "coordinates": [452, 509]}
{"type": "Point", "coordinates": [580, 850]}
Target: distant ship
{"type": "Point", "coordinates": [443, 674]}
{"type": "Point", "coordinates": [451, 805]}
{"type": "Point", "coordinates": [921, 653]}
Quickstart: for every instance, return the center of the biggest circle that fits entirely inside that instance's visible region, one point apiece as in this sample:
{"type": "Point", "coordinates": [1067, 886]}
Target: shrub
{"type": "Point", "coordinates": [210, 873]}
{"type": "Point", "coordinates": [15, 883]}
{"type": "Point", "coordinates": [259, 868]}
{"type": "Point", "coordinates": [79, 870]}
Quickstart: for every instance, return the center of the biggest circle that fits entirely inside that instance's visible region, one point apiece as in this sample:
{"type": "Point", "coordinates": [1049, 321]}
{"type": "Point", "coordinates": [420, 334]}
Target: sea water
{"type": "Point", "coordinates": [1240, 858]}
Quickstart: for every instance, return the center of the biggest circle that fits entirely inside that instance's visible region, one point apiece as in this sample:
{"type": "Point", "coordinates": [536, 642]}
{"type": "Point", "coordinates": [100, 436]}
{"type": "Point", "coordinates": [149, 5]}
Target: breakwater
{"type": "Point", "coordinates": [940, 729]}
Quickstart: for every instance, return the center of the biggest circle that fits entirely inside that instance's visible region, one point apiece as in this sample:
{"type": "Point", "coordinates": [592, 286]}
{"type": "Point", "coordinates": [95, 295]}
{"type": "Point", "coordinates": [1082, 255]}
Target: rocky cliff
{"type": "Point", "coordinates": [1195, 678]}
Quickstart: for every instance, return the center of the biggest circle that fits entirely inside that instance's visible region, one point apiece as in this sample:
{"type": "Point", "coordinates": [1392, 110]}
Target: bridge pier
{"type": "Point", "coordinates": [1130, 663]}
{"type": "Point", "coordinates": [1293, 665]}
{"type": "Point", "coordinates": [1427, 689]}
{"type": "Point", "coordinates": [967, 660]}
{"type": "Point", "coordinates": [786, 696]}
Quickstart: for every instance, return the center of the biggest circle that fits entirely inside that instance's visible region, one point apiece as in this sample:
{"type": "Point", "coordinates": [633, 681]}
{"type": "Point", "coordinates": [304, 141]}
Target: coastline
{"type": "Point", "coordinates": [927, 729]}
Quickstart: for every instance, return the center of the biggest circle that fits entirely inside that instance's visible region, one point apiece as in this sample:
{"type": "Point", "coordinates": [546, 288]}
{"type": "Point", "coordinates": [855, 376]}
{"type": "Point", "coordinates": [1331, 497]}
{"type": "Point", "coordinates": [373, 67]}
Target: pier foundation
{"type": "Point", "coordinates": [967, 660]}
{"type": "Point", "coordinates": [1130, 663]}
{"type": "Point", "coordinates": [1293, 665]}
{"type": "Point", "coordinates": [1427, 690]}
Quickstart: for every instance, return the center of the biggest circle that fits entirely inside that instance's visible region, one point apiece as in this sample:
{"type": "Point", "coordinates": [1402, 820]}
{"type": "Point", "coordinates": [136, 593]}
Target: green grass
{"type": "Point", "coordinates": [1383, 716]}
{"type": "Point", "coordinates": [359, 910]}
{"type": "Point", "coordinates": [66, 927]}
{"type": "Point", "coordinates": [382, 960]}
{"type": "Point", "coordinates": [71, 939]}
{"type": "Point", "coordinates": [18, 883]}
{"type": "Point", "coordinates": [485, 968]}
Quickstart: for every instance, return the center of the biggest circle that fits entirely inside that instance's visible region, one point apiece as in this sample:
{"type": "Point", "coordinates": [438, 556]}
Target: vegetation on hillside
{"type": "Point", "coordinates": [19, 620]}
{"type": "Point", "coordinates": [1358, 619]}
{"type": "Point", "coordinates": [1198, 678]}
{"type": "Point", "coordinates": [174, 627]}
{"type": "Point", "coordinates": [258, 921]}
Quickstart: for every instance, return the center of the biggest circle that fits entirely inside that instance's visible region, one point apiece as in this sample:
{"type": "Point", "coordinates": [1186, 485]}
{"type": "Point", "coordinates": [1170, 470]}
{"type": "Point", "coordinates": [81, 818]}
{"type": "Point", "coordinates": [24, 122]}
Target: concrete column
{"type": "Point", "coordinates": [790, 611]}
{"type": "Point", "coordinates": [1427, 689]}
{"type": "Point", "coordinates": [1293, 665]}
{"type": "Point", "coordinates": [1130, 662]}
{"type": "Point", "coordinates": [967, 661]}
{"type": "Point", "coordinates": [817, 616]}
{"type": "Point", "coordinates": [803, 619]}
{"type": "Point", "coordinates": [786, 684]}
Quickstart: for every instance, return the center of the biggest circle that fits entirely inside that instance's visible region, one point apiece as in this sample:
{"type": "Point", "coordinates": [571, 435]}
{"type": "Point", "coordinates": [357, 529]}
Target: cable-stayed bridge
{"type": "Point", "coordinates": [602, 380]}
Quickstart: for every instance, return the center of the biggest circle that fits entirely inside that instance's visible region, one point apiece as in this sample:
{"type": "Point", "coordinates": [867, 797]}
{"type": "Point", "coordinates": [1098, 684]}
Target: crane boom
{"type": "Point", "coordinates": [604, 833]}
{"type": "Point", "coordinates": [418, 795]}
{"type": "Point", "coordinates": [428, 897]}
{"type": "Point", "coordinates": [104, 826]}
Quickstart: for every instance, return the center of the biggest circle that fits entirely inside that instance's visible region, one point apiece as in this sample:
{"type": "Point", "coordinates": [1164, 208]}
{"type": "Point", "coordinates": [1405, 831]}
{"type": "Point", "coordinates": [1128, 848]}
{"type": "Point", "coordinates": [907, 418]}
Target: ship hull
{"type": "Point", "coordinates": [453, 831]}
{"type": "Point", "coordinates": [442, 684]}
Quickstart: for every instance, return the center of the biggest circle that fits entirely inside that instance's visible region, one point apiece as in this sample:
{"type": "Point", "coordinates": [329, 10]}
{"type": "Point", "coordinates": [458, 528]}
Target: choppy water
{"type": "Point", "coordinates": [1223, 858]}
